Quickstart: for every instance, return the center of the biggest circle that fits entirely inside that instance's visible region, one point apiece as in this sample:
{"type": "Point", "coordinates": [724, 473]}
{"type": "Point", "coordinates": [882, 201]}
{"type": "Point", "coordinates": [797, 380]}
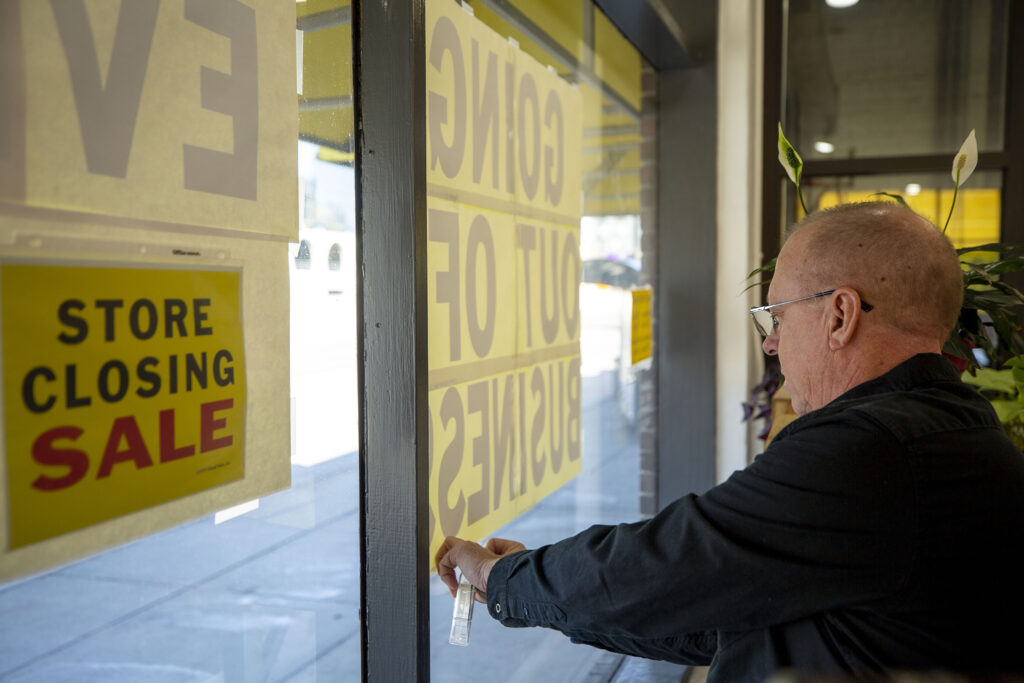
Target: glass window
{"type": "Point", "coordinates": [881, 79]}
{"type": "Point", "coordinates": [268, 590]}
{"type": "Point", "coordinates": [582, 46]}
{"type": "Point", "coordinates": [975, 220]}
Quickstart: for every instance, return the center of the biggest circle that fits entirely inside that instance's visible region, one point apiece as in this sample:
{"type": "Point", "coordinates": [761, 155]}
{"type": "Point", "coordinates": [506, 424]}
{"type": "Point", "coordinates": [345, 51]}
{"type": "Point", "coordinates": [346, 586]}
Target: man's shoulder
{"type": "Point", "coordinates": [903, 414]}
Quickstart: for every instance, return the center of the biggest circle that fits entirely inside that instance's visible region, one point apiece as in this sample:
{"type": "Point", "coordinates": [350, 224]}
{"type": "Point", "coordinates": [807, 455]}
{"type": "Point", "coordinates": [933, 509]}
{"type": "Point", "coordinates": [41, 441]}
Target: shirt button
{"type": "Point", "coordinates": [497, 608]}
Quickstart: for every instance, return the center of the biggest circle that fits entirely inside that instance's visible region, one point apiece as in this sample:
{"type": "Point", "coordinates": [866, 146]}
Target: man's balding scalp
{"type": "Point", "coordinates": [897, 260]}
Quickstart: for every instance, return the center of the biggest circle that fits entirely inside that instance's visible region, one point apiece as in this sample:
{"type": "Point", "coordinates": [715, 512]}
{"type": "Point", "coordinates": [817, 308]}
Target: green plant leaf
{"type": "Point", "coordinates": [1006, 410]}
{"type": "Point", "coordinates": [890, 195]}
{"type": "Point", "coordinates": [755, 284]}
{"type": "Point", "coordinates": [956, 347]}
{"type": "Point", "coordinates": [768, 267]}
{"type": "Point", "coordinates": [992, 246]}
{"type": "Point", "coordinates": [1015, 362]}
{"type": "Point", "coordinates": [988, 300]}
{"type": "Point", "coordinates": [993, 380]}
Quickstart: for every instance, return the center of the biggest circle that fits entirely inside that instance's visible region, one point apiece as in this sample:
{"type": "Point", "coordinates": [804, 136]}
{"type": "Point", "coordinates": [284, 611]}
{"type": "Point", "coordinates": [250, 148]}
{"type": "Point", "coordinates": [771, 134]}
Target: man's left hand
{"type": "Point", "coordinates": [474, 560]}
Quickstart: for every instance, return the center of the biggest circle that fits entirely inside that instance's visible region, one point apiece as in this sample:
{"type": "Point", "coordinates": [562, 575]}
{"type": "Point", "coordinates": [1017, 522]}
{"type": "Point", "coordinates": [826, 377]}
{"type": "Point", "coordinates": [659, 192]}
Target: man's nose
{"type": "Point", "coordinates": [771, 344]}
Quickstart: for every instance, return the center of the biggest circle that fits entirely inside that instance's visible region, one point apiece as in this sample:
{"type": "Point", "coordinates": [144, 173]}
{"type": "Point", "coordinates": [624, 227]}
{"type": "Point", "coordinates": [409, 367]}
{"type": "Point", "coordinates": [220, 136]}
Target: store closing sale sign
{"type": "Point", "coordinates": [504, 136]}
{"type": "Point", "coordinates": [124, 388]}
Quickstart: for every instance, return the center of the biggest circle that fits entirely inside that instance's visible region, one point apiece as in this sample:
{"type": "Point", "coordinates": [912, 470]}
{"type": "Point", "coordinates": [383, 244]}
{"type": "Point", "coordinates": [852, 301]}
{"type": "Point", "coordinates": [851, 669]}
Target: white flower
{"type": "Point", "coordinates": [965, 160]}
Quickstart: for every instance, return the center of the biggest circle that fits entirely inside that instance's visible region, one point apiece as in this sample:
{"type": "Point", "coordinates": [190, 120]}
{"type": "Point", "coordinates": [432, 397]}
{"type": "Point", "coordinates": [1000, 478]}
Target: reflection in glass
{"type": "Point", "coordinates": [582, 45]}
{"type": "Point", "coordinates": [266, 591]}
{"type": "Point", "coordinates": [976, 217]}
{"type": "Point", "coordinates": [862, 81]}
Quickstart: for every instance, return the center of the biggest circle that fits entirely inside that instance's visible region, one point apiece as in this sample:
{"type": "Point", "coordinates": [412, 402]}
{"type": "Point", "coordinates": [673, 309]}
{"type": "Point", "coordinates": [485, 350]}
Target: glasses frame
{"type": "Point", "coordinates": [864, 306]}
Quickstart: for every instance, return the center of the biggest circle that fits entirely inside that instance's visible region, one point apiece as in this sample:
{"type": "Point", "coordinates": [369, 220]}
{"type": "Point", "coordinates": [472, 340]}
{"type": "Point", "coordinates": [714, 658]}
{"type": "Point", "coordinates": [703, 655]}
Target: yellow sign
{"type": "Point", "coordinates": [183, 112]}
{"type": "Point", "coordinates": [124, 388]}
{"type": "Point", "coordinates": [503, 146]}
{"type": "Point", "coordinates": [642, 328]}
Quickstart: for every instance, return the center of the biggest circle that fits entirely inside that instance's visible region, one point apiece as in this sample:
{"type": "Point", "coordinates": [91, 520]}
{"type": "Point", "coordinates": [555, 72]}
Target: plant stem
{"type": "Point", "coordinates": [951, 206]}
{"type": "Point", "coordinates": [800, 195]}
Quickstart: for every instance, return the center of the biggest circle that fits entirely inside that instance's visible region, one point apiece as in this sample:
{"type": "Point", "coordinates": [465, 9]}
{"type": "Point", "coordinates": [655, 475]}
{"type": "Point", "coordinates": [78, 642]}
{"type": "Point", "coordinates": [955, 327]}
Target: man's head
{"type": "Point", "coordinates": [877, 253]}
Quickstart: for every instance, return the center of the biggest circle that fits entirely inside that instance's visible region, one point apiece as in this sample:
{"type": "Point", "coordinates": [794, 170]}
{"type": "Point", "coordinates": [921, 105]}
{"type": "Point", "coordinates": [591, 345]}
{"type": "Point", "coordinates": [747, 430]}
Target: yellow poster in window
{"type": "Point", "coordinates": [182, 112]}
{"type": "Point", "coordinates": [124, 388]}
{"type": "Point", "coordinates": [641, 339]}
{"type": "Point", "coordinates": [504, 135]}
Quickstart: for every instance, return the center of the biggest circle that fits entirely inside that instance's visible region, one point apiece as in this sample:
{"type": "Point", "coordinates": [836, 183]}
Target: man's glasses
{"type": "Point", "coordinates": [765, 321]}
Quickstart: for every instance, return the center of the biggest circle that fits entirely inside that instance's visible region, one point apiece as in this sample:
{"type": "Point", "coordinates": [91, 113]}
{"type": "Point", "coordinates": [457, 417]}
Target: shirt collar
{"type": "Point", "coordinates": [923, 368]}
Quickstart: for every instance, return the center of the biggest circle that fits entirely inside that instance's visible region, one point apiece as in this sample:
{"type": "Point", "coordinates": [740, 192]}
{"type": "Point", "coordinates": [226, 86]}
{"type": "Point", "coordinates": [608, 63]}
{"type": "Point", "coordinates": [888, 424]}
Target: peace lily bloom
{"type": "Point", "coordinates": [966, 160]}
{"type": "Point", "coordinates": [793, 164]}
{"type": "Point", "coordinates": [964, 163]}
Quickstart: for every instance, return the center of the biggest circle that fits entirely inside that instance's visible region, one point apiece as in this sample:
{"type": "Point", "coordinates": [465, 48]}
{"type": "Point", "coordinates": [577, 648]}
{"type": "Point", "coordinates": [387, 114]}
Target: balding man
{"type": "Point", "coordinates": [881, 530]}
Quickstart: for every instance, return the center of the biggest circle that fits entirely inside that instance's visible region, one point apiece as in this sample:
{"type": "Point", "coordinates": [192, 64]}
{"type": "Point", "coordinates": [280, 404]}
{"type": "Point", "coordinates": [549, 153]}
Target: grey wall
{"type": "Point", "coordinates": [686, 262]}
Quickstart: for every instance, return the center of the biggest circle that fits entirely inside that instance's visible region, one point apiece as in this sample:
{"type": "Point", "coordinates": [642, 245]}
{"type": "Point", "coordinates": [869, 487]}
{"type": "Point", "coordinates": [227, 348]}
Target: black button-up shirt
{"type": "Point", "coordinates": [882, 531]}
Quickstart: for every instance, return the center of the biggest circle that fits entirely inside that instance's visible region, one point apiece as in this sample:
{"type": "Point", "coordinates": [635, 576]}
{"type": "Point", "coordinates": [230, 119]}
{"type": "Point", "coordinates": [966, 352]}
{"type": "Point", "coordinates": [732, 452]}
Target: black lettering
{"type": "Point", "coordinates": [549, 320]}
{"type": "Point", "coordinates": [536, 447]}
{"type": "Point", "coordinates": [553, 185]}
{"type": "Point", "coordinates": [223, 375]}
{"type": "Point", "coordinates": [107, 107]}
{"type": "Point", "coordinates": [572, 428]}
{"type": "Point", "coordinates": [526, 241]}
{"type": "Point", "coordinates": [72, 399]}
{"type": "Point", "coordinates": [480, 336]}
{"type": "Point", "coordinates": [147, 375]}
{"type": "Point", "coordinates": [66, 317]}
{"type": "Point", "coordinates": [446, 39]}
{"type": "Point", "coordinates": [133, 319]}
{"type": "Point", "coordinates": [109, 306]}
{"type": "Point", "coordinates": [485, 115]}
{"type": "Point", "coordinates": [200, 315]}
{"type": "Point", "coordinates": [172, 374]}
{"type": "Point", "coordinates": [443, 226]}
{"type": "Point", "coordinates": [175, 311]}
{"type": "Point", "coordinates": [510, 125]}
{"type": "Point", "coordinates": [529, 173]}
{"type": "Point", "coordinates": [103, 384]}
{"type": "Point", "coordinates": [571, 286]}
{"type": "Point", "coordinates": [556, 424]}
{"type": "Point", "coordinates": [479, 502]}
{"type": "Point", "coordinates": [28, 394]}
{"type": "Point", "coordinates": [193, 368]}
{"type": "Point", "coordinates": [520, 474]}
{"type": "Point", "coordinates": [503, 420]}
{"type": "Point", "coordinates": [236, 94]}
{"type": "Point", "coordinates": [451, 461]}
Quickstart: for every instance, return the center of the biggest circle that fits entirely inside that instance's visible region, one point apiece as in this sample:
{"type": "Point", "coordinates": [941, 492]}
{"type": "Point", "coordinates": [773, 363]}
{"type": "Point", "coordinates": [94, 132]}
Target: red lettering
{"type": "Point", "coordinates": [208, 424]}
{"type": "Point", "coordinates": [168, 451]}
{"type": "Point", "coordinates": [136, 447]}
{"type": "Point", "coordinates": [75, 460]}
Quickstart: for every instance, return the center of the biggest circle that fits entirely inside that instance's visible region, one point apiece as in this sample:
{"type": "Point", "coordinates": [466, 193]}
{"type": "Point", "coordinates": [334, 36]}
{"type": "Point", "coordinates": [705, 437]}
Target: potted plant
{"type": "Point", "coordinates": [987, 344]}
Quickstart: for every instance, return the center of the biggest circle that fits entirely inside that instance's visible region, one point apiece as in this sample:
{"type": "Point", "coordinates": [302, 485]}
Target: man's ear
{"type": "Point", "coordinates": [844, 317]}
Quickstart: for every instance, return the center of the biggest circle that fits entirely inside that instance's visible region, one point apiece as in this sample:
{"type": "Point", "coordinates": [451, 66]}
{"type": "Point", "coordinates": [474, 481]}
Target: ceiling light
{"type": "Point", "coordinates": [913, 189]}
{"type": "Point", "coordinates": [823, 147]}
{"type": "Point", "coordinates": [840, 4]}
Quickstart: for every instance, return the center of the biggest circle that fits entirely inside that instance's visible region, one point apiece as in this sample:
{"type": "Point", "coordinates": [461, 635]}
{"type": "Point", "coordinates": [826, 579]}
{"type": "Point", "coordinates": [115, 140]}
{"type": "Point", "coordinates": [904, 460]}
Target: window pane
{"type": "Point", "coordinates": [581, 45]}
{"type": "Point", "coordinates": [895, 78]}
{"type": "Point", "coordinates": [976, 217]}
{"type": "Point", "coordinates": [268, 590]}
